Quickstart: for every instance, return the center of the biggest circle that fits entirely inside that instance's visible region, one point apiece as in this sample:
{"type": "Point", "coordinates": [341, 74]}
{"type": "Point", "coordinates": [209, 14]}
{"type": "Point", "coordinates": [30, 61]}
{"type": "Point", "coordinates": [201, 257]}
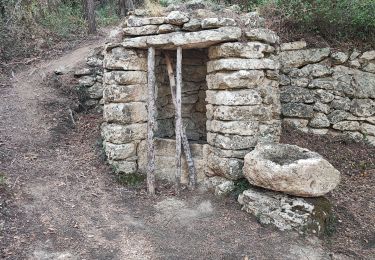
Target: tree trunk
{"type": "Point", "coordinates": [178, 117]}
{"type": "Point", "coordinates": [91, 16]}
{"type": "Point", "coordinates": [151, 109]}
{"type": "Point", "coordinates": [185, 142]}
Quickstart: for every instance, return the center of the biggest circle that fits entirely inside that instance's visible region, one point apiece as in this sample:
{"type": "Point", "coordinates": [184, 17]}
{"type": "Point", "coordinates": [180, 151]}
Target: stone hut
{"type": "Point", "coordinates": [230, 93]}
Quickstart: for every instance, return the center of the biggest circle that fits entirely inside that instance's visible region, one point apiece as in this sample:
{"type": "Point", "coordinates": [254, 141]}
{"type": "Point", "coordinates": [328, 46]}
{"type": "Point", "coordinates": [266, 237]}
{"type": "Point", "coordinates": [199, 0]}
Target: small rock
{"type": "Point", "coordinates": [347, 126]}
{"type": "Point", "coordinates": [320, 120]}
{"type": "Point", "coordinates": [368, 55]}
{"type": "Point", "coordinates": [209, 23]}
{"type": "Point", "coordinates": [224, 188]}
{"type": "Point", "coordinates": [62, 70]}
{"type": "Point", "coordinates": [339, 57]}
{"type": "Point", "coordinates": [82, 72]}
{"type": "Point", "coordinates": [288, 46]}
{"type": "Point", "coordinates": [192, 25]}
{"type": "Point", "coordinates": [177, 18]}
{"type": "Point", "coordinates": [264, 35]}
{"type": "Point", "coordinates": [253, 20]}
{"type": "Point", "coordinates": [167, 28]}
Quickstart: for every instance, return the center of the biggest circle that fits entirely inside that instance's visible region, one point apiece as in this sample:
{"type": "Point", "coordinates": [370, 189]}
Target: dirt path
{"type": "Point", "coordinates": [65, 204]}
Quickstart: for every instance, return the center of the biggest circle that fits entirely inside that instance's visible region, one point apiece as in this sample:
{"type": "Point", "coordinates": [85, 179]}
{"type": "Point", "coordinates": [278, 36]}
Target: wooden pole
{"type": "Point", "coordinates": [151, 80]}
{"type": "Point", "coordinates": [178, 117]}
{"type": "Point", "coordinates": [185, 142]}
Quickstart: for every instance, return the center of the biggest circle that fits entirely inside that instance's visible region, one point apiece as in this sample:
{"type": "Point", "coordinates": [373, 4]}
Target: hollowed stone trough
{"type": "Point", "coordinates": [290, 169]}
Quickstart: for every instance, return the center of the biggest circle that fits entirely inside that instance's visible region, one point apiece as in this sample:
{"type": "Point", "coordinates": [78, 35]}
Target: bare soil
{"type": "Point", "coordinates": [61, 201]}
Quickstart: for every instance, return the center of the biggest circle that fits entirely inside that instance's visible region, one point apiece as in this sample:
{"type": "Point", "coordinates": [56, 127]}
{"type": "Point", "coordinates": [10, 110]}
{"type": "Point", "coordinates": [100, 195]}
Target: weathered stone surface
{"type": "Point", "coordinates": [96, 91]}
{"type": "Point", "coordinates": [296, 123]}
{"type": "Point", "coordinates": [239, 113]}
{"type": "Point", "coordinates": [231, 142]}
{"type": "Point", "coordinates": [225, 153]}
{"type": "Point", "coordinates": [233, 98]}
{"type": "Point", "coordinates": [368, 129]}
{"type": "Point", "coordinates": [290, 169]}
{"type": "Point", "coordinates": [339, 57]}
{"type": "Point", "coordinates": [241, 64]}
{"type": "Point", "coordinates": [362, 107]}
{"type": "Point", "coordinates": [86, 81]}
{"type": "Point", "coordinates": [192, 25]}
{"type": "Point", "coordinates": [168, 28]}
{"type": "Point", "coordinates": [318, 131]}
{"type": "Point", "coordinates": [370, 67]}
{"type": "Point", "coordinates": [320, 107]}
{"type": "Point", "coordinates": [299, 82]}
{"type": "Point", "coordinates": [286, 212]}
{"type": "Point", "coordinates": [125, 59]}
{"type": "Point", "coordinates": [338, 116]}
{"type": "Point", "coordinates": [324, 83]}
{"type": "Point", "coordinates": [324, 96]}
{"type": "Point", "coordinates": [83, 72]}
{"type": "Point", "coordinates": [341, 103]}
{"type": "Point", "coordinates": [210, 183]}
{"type": "Point", "coordinates": [142, 30]}
{"type": "Point", "coordinates": [311, 70]}
{"type": "Point", "coordinates": [296, 94]}
{"type": "Point", "coordinates": [237, 79]}
{"type": "Point", "coordinates": [302, 57]}
{"type": "Point", "coordinates": [368, 55]}
{"type": "Point", "coordinates": [264, 35]}
{"type": "Point", "coordinates": [347, 126]}
{"type": "Point", "coordinates": [230, 168]}
{"type": "Point", "coordinates": [120, 134]}
{"type": "Point", "coordinates": [126, 113]}
{"type": "Point", "coordinates": [224, 188]}
{"type": "Point", "coordinates": [125, 77]}
{"type": "Point", "coordinates": [320, 120]}
{"type": "Point", "coordinates": [210, 23]}
{"type": "Point", "coordinates": [355, 54]}
{"type": "Point", "coordinates": [251, 50]}
{"type": "Point", "coordinates": [124, 94]}
{"type": "Point", "coordinates": [141, 12]}
{"type": "Point", "coordinates": [165, 161]}
{"type": "Point", "coordinates": [177, 18]}
{"type": "Point", "coordinates": [253, 20]}
{"type": "Point", "coordinates": [124, 167]}
{"type": "Point", "coordinates": [233, 127]}
{"type": "Point", "coordinates": [269, 131]}
{"type": "Point", "coordinates": [134, 21]}
{"type": "Point", "coordinates": [288, 46]}
{"type": "Point", "coordinates": [119, 151]}
{"type": "Point", "coordinates": [189, 40]}
{"type": "Point", "coordinates": [362, 82]}
{"type": "Point", "coordinates": [297, 110]}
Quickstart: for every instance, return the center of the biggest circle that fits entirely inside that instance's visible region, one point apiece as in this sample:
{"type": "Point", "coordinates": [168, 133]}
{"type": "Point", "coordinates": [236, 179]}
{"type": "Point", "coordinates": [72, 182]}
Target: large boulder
{"type": "Point", "coordinates": [290, 169]}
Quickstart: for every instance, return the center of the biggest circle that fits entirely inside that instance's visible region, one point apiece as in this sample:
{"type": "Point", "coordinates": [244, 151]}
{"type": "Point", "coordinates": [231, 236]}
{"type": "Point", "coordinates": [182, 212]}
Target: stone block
{"type": "Point", "coordinates": [251, 50]}
{"type": "Point", "coordinates": [167, 28]}
{"type": "Point", "coordinates": [231, 142]}
{"type": "Point", "coordinates": [347, 126]}
{"type": "Point", "coordinates": [240, 113]}
{"type": "Point", "coordinates": [296, 95]}
{"type": "Point", "coordinates": [263, 35]}
{"type": "Point", "coordinates": [124, 94]}
{"type": "Point", "coordinates": [96, 91]}
{"type": "Point", "coordinates": [120, 134]}
{"type": "Point", "coordinates": [288, 46]}
{"type": "Point", "coordinates": [142, 30]}
{"type": "Point", "coordinates": [134, 21]}
{"type": "Point", "coordinates": [320, 120]}
{"type": "Point", "coordinates": [125, 59]}
{"type": "Point", "coordinates": [233, 127]}
{"type": "Point", "coordinates": [210, 23]}
{"type": "Point", "coordinates": [177, 18]}
{"type": "Point", "coordinates": [338, 116]}
{"type": "Point", "coordinates": [362, 107]}
{"type": "Point", "coordinates": [230, 168]}
{"type": "Point", "coordinates": [233, 80]}
{"type": "Point", "coordinates": [368, 129]}
{"type": "Point", "coordinates": [299, 58]}
{"type": "Point", "coordinates": [124, 167]}
{"type": "Point", "coordinates": [117, 152]}
{"type": "Point", "coordinates": [192, 25]}
{"type": "Point", "coordinates": [125, 113]}
{"type": "Point", "coordinates": [125, 77]}
{"type": "Point", "coordinates": [241, 64]}
{"type": "Point", "coordinates": [233, 98]}
{"type": "Point", "coordinates": [297, 110]}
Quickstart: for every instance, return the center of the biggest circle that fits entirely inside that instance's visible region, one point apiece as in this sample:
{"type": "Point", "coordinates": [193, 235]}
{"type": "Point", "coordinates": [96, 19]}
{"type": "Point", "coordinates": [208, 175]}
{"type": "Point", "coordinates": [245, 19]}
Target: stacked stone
{"type": "Point", "coordinates": [193, 96]}
{"type": "Point", "coordinates": [243, 101]}
{"type": "Point", "coordinates": [125, 112]}
{"type": "Point", "coordinates": [90, 80]}
{"type": "Point", "coordinates": [325, 91]}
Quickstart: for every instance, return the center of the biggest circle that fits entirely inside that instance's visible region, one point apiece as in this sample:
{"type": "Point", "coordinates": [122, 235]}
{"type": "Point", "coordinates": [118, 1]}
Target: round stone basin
{"type": "Point", "coordinates": [290, 169]}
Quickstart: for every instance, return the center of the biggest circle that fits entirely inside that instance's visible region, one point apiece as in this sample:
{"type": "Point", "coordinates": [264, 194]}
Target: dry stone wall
{"type": "Point", "coordinates": [323, 91]}
{"type": "Point", "coordinates": [230, 92]}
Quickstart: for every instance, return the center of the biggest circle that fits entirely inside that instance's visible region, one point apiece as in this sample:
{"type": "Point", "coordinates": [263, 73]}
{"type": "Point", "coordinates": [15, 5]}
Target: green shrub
{"type": "Point", "coordinates": [107, 15]}
{"type": "Point", "coordinates": [341, 19]}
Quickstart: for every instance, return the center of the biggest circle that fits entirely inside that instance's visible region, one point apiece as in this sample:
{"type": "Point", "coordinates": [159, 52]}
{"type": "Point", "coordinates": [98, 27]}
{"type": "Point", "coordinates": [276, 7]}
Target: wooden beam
{"type": "Point", "coordinates": [151, 108]}
{"type": "Point", "coordinates": [185, 142]}
{"type": "Point", "coordinates": [178, 117]}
